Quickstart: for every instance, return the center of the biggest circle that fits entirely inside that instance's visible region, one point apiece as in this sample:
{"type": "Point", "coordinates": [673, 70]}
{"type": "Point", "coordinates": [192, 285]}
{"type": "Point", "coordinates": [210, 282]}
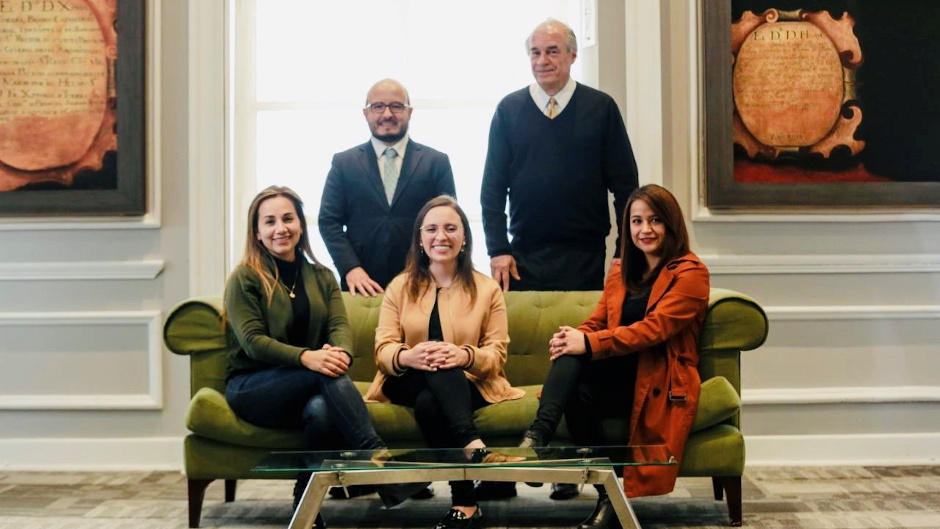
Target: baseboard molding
{"type": "Point", "coordinates": [843, 449]}
{"type": "Point", "coordinates": [153, 453]}
{"type": "Point", "coordinates": [166, 453]}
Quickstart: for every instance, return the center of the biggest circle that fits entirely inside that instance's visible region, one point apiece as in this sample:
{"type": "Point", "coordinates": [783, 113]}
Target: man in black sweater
{"type": "Point", "coordinates": [555, 149]}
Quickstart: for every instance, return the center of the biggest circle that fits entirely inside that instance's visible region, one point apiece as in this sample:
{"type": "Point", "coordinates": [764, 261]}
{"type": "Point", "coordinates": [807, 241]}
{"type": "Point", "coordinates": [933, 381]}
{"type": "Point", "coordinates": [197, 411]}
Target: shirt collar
{"type": "Point", "coordinates": [380, 146]}
{"type": "Point", "coordinates": [562, 97]}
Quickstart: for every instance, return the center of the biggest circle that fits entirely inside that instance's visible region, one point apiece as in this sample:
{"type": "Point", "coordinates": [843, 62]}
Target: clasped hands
{"type": "Point", "coordinates": [330, 360]}
{"type": "Point", "coordinates": [567, 341]}
{"type": "Point", "coordinates": [431, 356]}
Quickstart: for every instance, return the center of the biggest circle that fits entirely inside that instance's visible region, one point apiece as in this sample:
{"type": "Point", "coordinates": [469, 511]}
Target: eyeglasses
{"type": "Point", "coordinates": [449, 229]}
{"type": "Point", "coordinates": [379, 108]}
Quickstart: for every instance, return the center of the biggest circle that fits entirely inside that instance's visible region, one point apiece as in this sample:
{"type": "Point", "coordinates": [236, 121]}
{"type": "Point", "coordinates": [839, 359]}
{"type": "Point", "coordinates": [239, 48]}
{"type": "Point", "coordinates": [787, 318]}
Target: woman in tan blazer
{"type": "Point", "coordinates": [441, 343]}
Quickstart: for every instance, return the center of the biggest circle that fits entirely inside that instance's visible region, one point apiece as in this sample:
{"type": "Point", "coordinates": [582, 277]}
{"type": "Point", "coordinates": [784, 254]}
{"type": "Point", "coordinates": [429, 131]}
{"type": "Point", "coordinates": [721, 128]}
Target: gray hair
{"type": "Point", "coordinates": [569, 34]}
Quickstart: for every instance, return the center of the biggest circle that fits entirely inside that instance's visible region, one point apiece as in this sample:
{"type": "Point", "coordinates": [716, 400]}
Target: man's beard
{"type": "Point", "coordinates": [392, 138]}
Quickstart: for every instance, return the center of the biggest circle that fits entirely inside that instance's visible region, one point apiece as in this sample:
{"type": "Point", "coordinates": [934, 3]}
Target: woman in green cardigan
{"type": "Point", "coordinates": [286, 315]}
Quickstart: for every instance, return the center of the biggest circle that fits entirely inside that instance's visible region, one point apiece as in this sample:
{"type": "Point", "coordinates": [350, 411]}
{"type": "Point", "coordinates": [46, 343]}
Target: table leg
{"type": "Point", "coordinates": [310, 502]}
{"type": "Point", "coordinates": [620, 502]}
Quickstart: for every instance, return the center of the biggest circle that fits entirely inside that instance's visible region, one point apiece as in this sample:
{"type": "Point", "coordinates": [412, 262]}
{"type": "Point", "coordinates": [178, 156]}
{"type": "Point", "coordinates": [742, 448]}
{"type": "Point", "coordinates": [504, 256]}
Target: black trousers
{"type": "Point", "coordinates": [444, 402]}
{"type": "Point", "coordinates": [585, 392]}
{"type": "Point", "coordinates": [559, 267]}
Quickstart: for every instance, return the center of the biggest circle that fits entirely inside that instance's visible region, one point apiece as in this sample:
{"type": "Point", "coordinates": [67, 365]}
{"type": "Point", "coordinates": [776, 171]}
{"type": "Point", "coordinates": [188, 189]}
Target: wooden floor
{"type": "Point", "coordinates": [790, 498]}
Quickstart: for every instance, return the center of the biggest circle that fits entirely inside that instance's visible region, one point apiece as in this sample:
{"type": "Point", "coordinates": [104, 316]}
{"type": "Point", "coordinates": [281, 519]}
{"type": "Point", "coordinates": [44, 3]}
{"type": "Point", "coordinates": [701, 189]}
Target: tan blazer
{"type": "Point", "coordinates": [480, 329]}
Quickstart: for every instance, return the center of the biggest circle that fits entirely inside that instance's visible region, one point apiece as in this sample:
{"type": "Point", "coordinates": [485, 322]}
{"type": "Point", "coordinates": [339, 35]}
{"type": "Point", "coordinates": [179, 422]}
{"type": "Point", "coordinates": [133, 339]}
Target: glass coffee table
{"type": "Point", "coordinates": [578, 465]}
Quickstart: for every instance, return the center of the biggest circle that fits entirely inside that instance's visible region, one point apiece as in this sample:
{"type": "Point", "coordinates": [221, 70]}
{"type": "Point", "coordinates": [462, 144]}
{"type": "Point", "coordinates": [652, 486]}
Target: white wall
{"type": "Point", "coordinates": [847, 375]}
{"type": "Point", "coordinates": [86, 381]}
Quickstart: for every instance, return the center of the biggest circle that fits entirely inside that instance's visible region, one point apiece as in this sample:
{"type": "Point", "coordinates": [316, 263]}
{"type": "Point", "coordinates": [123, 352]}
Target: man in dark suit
{"type": "Point", "coordinates": [374, 191]}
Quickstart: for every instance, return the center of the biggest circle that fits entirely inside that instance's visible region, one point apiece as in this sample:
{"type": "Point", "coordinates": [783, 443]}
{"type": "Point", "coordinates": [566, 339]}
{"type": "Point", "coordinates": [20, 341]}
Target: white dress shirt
{"type": "Point", "coordinates": [380, 147]}
{"type": "Point", "coordinates": [561, 98]}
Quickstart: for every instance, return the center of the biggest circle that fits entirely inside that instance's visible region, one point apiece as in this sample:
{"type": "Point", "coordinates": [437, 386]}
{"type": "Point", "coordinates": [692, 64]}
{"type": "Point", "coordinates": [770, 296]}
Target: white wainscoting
{"type": "Point", "coordinates": [143, 454]}
{"type": "Point", "coordinates": [821, 264]}
{"type": "Point", "coordinates": [841, 395]}
{"type": "Point", "coordinates": [847, 449]}
{"type": "Point", "coordinates": [152, 399]}
{"type": "Point", "coordinates": [851, 312]}
{"type": "Point", "coordinates": [81, 270]}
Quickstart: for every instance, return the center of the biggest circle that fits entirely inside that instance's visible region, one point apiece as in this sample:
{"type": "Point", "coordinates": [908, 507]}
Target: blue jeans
{"type": "Point", "coordinates": [297, 398]}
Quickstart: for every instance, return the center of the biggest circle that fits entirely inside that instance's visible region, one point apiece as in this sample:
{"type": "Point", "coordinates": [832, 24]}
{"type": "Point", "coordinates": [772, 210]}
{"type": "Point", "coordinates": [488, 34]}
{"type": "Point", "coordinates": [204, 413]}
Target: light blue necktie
{"type": "Point", "coordinates": [391, 173]}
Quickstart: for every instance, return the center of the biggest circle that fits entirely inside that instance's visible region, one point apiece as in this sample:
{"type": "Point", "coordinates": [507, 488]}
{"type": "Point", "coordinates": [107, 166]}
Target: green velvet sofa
{"type": "Point", "coordinates": [221, 446]}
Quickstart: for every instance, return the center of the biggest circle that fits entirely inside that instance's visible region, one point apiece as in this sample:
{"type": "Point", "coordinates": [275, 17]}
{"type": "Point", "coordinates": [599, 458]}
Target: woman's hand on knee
{"type": "Point", "coordinates": [330, 361]}
{"type": "Point", "coordinates": [443, 355]}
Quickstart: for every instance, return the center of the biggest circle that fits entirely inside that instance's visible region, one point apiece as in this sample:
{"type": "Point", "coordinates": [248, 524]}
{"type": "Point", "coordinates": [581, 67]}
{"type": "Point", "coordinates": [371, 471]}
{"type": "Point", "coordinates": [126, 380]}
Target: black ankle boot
{"type": "Point", "coordinates": [532, 439]}
{"type": "Point", "coordinates": [603, 517]}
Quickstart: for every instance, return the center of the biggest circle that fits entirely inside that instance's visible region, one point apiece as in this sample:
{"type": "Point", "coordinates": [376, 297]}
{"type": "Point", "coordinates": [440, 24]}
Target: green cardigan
{"type": "Point", "coordinates": [257, 330]}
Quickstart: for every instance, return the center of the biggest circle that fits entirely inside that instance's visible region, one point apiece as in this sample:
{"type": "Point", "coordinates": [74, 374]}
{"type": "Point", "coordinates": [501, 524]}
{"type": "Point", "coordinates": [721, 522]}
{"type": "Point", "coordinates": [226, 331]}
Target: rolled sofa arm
{"type": "Point", "coordinates": [734, 321]}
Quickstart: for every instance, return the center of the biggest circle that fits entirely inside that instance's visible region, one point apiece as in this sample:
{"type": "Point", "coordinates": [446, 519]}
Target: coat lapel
{"type": "Point", "coordinates": [409, 165]}
{"type": "Point", "coordinates": [370, 168]}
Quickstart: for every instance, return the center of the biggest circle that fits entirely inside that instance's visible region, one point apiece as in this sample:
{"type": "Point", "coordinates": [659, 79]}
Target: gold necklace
{"type": "Point", "coordinates": [291, 292]}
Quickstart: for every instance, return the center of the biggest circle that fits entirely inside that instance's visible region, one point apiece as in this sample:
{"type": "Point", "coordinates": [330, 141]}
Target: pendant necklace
{"type": "Point", "coordinates": [291, 292]}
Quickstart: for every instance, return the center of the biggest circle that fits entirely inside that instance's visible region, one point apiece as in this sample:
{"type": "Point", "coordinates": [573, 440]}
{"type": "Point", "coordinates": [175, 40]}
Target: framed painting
{"type": "Point", "coordinates": [821, 104]}
{"type": "Point", "coordinates": [72, 115]}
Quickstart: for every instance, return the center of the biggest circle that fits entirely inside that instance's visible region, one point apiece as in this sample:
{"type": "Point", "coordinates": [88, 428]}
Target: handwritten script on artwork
{"type": "Point", "coordinates": [788, 85]}
{"type": "Point", "coordinates": [54, 82]}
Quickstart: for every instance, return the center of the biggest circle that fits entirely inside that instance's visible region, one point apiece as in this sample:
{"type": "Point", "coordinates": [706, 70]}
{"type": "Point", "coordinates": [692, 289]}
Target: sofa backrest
{"type": "Point", "coordinates": [733, 323]}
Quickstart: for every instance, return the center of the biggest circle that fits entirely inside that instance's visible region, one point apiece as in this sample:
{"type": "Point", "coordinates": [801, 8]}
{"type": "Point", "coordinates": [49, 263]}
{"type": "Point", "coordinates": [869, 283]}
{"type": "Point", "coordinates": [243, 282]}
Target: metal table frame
{"type": "Point", "coordinates": [321, 480]}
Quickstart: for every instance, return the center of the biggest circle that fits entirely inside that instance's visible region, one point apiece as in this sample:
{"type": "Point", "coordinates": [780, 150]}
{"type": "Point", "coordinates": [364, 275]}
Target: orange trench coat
{"type": "Point", "coordinates": [667, 382]}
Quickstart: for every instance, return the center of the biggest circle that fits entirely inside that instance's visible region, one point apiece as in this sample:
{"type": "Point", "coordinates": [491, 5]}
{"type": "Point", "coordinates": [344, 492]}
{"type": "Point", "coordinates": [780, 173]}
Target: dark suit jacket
{"type": "Point", "coordinates": [377, 235]}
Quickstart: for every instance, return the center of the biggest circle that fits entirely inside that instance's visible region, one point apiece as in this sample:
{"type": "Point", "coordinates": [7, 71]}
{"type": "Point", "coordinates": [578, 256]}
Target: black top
{"type": "Point", "coordinates": [633, 310]}
{"type": "Point", "coordinates": [288, 273]}
{"type": "Point", "coordinates": [555, 172]}
{"type": "Point", "coordinates": [435, 333]}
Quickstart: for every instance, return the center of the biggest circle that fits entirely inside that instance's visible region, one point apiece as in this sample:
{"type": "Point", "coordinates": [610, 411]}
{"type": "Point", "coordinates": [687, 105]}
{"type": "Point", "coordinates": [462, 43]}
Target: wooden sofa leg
{"type": "Point", "coordinates": [230, 490]}
{"type": "Point", "coordinates": [716, 486]}
{"type": "Point", "coordinates": [732, 487]}
{"type": "Point", "coordinates": [197, 493]}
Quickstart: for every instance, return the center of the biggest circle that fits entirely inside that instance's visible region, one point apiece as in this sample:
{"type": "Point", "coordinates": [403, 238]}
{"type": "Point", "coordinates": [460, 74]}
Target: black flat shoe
{"type": "Point", "coordinates": [319, 523]}
{"type": "Point", "coordinates": [352, 491]}
{"type": "Point", "coordinates": [424, 494]}
{"type": "Point", "coordinates": [392, 495]}
{"type": "Point", "coordinates": [494, 490]}
{"type": "Point", "coordinates": [456, 519]}
{"type": "Point", "coordinates": [603, 517]}
{"type": "Point", "coordinates": [564, 491]}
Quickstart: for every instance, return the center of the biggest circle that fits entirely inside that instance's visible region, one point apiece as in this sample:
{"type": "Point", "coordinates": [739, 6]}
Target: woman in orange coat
{"type": "Point", "coordinates": [643, 335]}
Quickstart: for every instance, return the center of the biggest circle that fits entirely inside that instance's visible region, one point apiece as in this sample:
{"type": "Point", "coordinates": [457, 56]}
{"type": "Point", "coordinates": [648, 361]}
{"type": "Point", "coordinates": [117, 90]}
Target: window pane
{"type": "Point", "coordinates": [295, 148]}
{"type": "Point", "coordinates": [315, 61]}
{"type": "Point", "coordinates": [333, 51]}
{"type": "Point", "coordinates": [462, 134]}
